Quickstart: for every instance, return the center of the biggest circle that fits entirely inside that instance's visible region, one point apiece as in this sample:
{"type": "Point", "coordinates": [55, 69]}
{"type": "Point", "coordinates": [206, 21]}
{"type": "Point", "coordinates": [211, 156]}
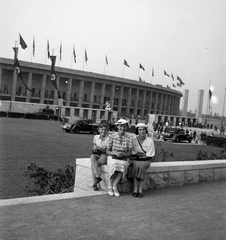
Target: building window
{"type": "Point", "coordinates": [33, 92]}
{"type": "Point", "coordinates": [5, 90]}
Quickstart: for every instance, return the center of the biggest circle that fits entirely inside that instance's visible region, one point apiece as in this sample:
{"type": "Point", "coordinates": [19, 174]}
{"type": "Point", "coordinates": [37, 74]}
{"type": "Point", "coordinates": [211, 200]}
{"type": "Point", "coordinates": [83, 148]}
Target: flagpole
{"type": "Point", "coordinates": [208, 102]}
{"type": "Point", "coordinates": [162, 78]}
{"type": "Point", "coordinates": [71, 60]}
{"type": "Point", "coordinates": [104, 66]}
{"type": "Point", "coordinates": [223, 106]}
{"type": "Point", "coordinates": [123, 70]}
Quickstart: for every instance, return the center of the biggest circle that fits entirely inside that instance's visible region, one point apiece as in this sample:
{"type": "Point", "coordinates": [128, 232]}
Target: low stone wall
{"type": "Point", "coordinates": [159, 175]}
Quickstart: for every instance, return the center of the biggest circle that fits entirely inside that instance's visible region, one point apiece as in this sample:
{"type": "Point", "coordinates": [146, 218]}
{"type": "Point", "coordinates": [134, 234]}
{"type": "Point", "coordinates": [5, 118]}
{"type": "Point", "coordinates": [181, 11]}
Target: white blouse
{"type": "Point", "coordinates": [147, 145]}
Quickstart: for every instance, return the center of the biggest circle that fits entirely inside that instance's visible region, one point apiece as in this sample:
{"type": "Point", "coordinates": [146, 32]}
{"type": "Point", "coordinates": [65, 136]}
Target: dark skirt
{"type": "Point", "coordinates": [138, 169]}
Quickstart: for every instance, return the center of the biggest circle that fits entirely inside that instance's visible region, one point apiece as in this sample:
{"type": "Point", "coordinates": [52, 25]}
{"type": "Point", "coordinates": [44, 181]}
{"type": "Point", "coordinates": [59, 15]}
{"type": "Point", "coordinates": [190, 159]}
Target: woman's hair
{"type": "Point", "coordinates": [136, 131]}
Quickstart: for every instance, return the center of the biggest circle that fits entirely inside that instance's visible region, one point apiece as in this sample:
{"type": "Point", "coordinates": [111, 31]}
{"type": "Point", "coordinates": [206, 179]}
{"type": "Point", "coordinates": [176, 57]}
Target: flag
{"type": "Point", "coordinates": [53, 74]}
{"type": "Point", "coordinates": [106, 59]}
{"type": "Point", "coordinates": [172, 76]}
{"type": "Point", "coordinates": [19, 73]}
{"type": "Point", "coordinates": [140, 79]}
{"type": "Point", "coordinates": [142, 67]}
{"type": "Point", "coordinates": [174, 85]}
{"type": "Point", "coordinates": [178, 84]}
{"type": "Point", "coordinates": [22, 43]}
{"type": "Point", "coordinates": [126, 63]}
{"type": "Point", "coordinates": [181, 83]}
{"type": "Point", "coordinates": [33, 47]}
{"type": "Point", "coordinates": [165, 73]}
{"type": "Point", "coordinates": [152, 72]}
{"type": "Point", "coordinates": [60, 51]}
{"type": "Point", "coordinates": [86, 58]}
{"type": "Point", "coordinates": [210, 94]}
{"type": "Point", "coordinates": [48, 52]}
{"type": "Point", "coordinates": [74, 55]}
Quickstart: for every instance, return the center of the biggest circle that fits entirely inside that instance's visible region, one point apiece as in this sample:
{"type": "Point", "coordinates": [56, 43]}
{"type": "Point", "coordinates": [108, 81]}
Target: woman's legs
{"type": "Point", "coordinates": [141, 186]}
{"type": "Point", "coordinates": [135, 182]}
{"type": "Point", "coordinates": [118, 177]}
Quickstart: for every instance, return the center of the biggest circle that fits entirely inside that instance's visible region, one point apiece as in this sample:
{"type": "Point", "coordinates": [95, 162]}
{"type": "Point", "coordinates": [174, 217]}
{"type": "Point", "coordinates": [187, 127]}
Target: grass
{"type": "Point", "coordinates": [44, 143]}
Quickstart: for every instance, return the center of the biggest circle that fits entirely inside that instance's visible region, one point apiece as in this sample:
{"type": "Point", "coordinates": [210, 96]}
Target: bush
{"type": "Point", "coordinates": [160, 154]}
{"type": "Point", "coordinates": [216, 141]}
{"type": "Point", "coordinates": [42, 181]}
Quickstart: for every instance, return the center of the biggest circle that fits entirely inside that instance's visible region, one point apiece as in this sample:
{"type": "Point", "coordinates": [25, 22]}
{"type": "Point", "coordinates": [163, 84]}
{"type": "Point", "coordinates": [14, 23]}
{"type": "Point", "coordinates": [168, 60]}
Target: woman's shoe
{"type": "Point", "coordinates": [98, 179]}
{"type": "Point", "coordinates": [110, 191]}
{"type": "Point", "coordinates": [140, 195]}
{"type": "Point", "coordinates": [95, 188]}
{"type": "Point", "coordinates": [116, 193]}
{"type": "Point", "coordinates": [135, 194]}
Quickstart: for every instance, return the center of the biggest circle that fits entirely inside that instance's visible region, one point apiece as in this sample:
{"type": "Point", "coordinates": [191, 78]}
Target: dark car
{"type": "Point", "coordinates": [176, 135]}
{"type": "Point", "coordinates": [112, 126]}
{"type": "Point", "coordinates": [80, 125]}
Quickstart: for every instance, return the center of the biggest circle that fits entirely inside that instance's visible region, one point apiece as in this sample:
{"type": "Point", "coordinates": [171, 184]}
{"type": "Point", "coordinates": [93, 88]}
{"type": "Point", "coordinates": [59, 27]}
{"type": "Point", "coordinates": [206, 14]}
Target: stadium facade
{"type": "Point", "coordinates": [129, 98]}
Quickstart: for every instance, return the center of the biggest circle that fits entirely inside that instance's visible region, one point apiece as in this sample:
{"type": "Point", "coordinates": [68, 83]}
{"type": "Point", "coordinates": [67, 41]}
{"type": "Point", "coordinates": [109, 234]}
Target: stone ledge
{"type": "Point", "coordinates": [159, 175]}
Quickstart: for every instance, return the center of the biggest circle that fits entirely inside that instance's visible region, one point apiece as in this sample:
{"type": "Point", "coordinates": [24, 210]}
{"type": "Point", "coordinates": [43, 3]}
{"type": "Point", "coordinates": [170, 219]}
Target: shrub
{"type": "Point", "coordinates": [41, 181]}
{"type": "Point", "coordinates": [160, 154]}
{"type": "Point", "coordinates": [216, 141]}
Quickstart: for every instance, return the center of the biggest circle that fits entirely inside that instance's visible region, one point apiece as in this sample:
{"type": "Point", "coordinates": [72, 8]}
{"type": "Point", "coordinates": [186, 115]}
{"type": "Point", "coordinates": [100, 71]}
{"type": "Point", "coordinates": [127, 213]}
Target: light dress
{"type": "Point", "coordinates": [138, 168]}
{"type": "Point", "coordinates": [118, 144]}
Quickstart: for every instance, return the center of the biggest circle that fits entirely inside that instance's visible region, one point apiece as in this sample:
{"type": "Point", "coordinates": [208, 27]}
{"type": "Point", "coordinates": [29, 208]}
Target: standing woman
{"type": "Point", "coordinates": [119, 149]}
{"type": "Point", "coordinates": [142, 152]}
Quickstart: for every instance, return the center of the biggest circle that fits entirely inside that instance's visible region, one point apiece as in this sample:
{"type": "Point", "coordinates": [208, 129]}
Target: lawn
{"type": "Point", "coordinates": [44, 143]}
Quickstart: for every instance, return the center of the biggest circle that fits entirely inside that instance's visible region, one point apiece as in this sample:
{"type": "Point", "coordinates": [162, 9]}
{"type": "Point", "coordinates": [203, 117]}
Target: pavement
{"type": "Point", "coordinates": [195, 211]}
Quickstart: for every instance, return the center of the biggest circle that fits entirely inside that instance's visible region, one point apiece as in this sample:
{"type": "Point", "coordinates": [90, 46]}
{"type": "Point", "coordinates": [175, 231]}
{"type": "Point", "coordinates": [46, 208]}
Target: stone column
{"type": "Point", "coordinates": [68, 97]}
{"type": "Point", "coordinates": [92, 95]}
{"type": "Point", "coordinates": [128, 102]}
{"type": "Point", "coordinates": [81, 90]}
{"type": "Point", "coordinates": [112, 96]}
{"type": "Point", "coordinates": [156, 103]}
{"type": "Point", "coordinates": [165, 103]}
{"type": "Point", "coordinates": [143, 103]}
{"type": "Point", "coordinates": [120, 99]}
{"type": "Point", "coordinates": [43, 89]}
{"type": "Point", "coordinates": [150, 102]}
{"type": "Point", "coordinates": [102, 103]}
{"type": "Point", "coordinates": [1, 79]}
{"type": "Point", "coordinates": [55, 101]}
{"type": "Point", "coordinates": [29, 84]}
{"type": "Point", "coordinates": [136, 102]}
{"type": "Point", "coordinates": [13, 92]}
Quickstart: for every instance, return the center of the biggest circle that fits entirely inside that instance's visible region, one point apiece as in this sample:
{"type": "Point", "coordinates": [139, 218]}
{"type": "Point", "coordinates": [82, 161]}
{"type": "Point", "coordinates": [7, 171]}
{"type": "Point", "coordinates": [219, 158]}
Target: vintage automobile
{"type": "Point", "coordinates": [112, 126]}
{"type": "Point", "coordinates": [79, 125]}
{"type": "Point", "coordinates": [176, 135]}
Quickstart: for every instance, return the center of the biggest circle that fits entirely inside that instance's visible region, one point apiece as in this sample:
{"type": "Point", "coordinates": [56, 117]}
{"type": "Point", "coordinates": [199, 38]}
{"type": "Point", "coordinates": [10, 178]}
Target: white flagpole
{"type": "Point", "coordinates": [123, 70]}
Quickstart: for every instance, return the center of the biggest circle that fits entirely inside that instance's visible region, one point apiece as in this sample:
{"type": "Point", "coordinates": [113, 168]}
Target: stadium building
{"type": "Point", "coordinates": [85, 94]}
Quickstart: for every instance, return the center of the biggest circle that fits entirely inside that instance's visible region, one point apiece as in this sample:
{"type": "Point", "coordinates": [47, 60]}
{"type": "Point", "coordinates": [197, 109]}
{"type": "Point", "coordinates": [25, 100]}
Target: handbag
{"type": "Point", "coordinates": [119, 158]}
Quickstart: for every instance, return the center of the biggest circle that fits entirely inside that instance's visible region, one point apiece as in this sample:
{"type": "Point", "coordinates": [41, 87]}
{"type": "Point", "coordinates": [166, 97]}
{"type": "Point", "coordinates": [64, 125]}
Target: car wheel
{"type": "Point", "coordinates": [165, 139]}
{"type": "Point", "coordinates": [76, 130]}
{"type": "Point", "coordinates": [177, 140]}
{"type": "Point", "coordinates": [67, 130]}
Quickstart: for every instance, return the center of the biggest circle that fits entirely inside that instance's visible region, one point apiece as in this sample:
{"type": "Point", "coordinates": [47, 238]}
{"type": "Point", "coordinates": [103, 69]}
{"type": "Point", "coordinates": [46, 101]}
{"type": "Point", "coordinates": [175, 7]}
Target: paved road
{"type": "Point", "coordinates": [196, 212]}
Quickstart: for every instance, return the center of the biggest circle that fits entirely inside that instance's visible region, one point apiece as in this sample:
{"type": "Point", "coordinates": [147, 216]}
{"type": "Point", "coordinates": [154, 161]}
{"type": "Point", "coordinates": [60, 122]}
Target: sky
{"type": "Point", "coordinates": [186, 38]}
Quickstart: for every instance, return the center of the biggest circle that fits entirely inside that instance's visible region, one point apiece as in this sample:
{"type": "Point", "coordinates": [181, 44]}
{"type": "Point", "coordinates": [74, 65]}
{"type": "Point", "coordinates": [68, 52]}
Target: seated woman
{"type": "Point", "coordinates": [118, 150]}
{"type": "Point", "coordinates": [142, 152]}
{"type": "Point", "coordinates": [99, 156]}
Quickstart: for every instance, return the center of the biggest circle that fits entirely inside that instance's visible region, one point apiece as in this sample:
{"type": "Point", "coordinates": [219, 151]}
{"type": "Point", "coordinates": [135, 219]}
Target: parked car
{"type": "Point", "coordinates": [80, 125]}
{"type": "Point", "coordinates": [112, 126]}
{"type": "Point", "coordinates": [176, 135]}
